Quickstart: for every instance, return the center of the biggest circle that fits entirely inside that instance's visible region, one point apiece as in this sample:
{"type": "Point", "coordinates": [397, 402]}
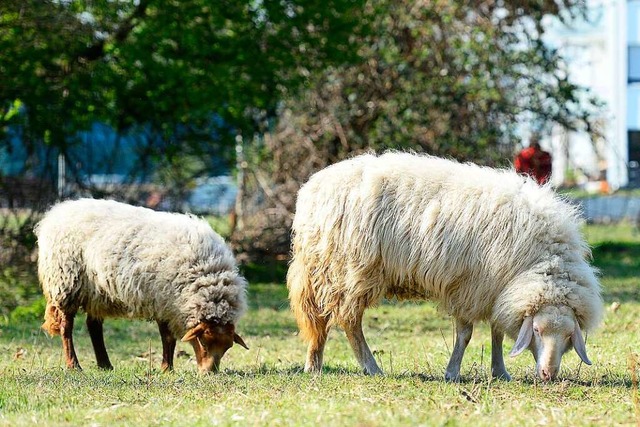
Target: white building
{"type": "Point", "coordinates": [603, 54]}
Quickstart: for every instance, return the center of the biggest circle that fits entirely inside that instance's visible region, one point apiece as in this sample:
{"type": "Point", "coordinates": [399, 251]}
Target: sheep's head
{"type": "Point", "coordinates": [549, 334]}
{"type": "Point", "coordinates": [210, 342]}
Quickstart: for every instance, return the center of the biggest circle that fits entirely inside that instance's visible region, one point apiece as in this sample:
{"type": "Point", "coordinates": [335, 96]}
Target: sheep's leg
{"type": "Point", "coordinates": [463, 336]}
{"type": "Point", "coordinates": [94, 325]}
{"type": "Point", "coordinates": [498, 369]}
{"type": "Point", "coordinates": [168, 346]}
{"type": "Point", "coordinates": [315, 350]}
{"type": "Point", "coordinates": [360, 347]}
{"type": "Point", "coordinates": [66, 330]}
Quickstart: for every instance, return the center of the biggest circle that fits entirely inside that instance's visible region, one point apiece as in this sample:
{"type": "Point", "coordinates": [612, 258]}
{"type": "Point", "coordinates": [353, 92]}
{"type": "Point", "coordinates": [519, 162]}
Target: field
{"type": "Point", "coordinates": [265, 386]}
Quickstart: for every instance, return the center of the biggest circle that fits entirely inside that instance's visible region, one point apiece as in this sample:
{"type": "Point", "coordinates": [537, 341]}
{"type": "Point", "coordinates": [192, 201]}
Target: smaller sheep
{"type": "Point", "coordinates": [115, 260]}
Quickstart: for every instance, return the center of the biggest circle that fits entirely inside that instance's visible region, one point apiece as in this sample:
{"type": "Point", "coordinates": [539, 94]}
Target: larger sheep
{"type": "Point", "coordinates": [486, 244]}
{"type": "Point", "coordinates": [115, 260]}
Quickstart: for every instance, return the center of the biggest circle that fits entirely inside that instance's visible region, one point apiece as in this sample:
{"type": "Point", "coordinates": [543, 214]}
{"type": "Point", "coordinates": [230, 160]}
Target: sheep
{"type": "Point", "coordinates": [484, 244]}
{"type": "Point", "coordinates": [115, 260]}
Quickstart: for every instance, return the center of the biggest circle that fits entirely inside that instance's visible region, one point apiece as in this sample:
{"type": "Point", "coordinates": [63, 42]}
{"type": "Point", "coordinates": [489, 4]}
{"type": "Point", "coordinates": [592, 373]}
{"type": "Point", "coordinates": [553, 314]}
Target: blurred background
{"type": "Point", "coordinates": [224, 108]}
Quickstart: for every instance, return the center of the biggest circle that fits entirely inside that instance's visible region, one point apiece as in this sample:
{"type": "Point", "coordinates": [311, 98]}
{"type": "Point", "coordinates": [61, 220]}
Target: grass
{"type": "Point", "coordinates": [265, 385]}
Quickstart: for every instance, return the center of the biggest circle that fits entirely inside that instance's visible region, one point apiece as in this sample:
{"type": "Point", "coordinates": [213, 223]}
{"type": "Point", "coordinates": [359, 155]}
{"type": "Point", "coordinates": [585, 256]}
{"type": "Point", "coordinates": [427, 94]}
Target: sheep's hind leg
{"type": "Point", "coordinates": [66, 330]}
{"type": "Point", "coordinates": [94, 325]}
{"type": "Point", "coordinates": [498, 369]}
{"type": "Point", "coordinates": [315, 350]}
{"type": "Point", "coordinates": [359, 345]}
{"type": "Point", "coordinates": [464, 331]}
{"type": "Point", "coordinates": [168, 346]}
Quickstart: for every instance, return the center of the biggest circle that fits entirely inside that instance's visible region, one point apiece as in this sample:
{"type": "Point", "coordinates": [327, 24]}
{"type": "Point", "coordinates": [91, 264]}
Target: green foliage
{"type": "Point", "coordinates": [266, 271]}
{"type": "Point", "coordinates": [177, 176]}
{"type": "Point", "coordinates": [448, 78]}
{"type": "Point", "coordinates": [18, 288]}
{"type": "Point", "coordinates": [220, 225]}
{"type": "Point", "coordinates": [18, 281]}
{"type": "Point", "coordinates": [29, 313]}
{"type": "Point", "coordinates": [160, 64]}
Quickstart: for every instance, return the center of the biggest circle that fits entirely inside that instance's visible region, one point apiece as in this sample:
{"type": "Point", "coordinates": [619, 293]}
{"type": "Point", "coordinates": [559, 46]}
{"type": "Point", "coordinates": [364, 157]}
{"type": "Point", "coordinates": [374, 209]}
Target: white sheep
{"type": "Point", "coordinates": [115, 260]}
{"type": "Point", "coordinates": [486, 244]}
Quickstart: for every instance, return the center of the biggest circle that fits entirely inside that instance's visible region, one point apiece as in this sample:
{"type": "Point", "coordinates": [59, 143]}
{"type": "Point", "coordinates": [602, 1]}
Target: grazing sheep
{"type": "Point", "coordinates": [485, 244]}
{"type": "Point", "coordinates": [116, 260]}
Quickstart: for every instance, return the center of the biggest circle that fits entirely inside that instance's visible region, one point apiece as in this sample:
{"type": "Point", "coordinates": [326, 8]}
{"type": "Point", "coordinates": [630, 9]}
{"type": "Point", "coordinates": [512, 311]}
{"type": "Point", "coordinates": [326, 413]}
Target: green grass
{"type": "Point", "coordinates": [624, 232]}
{"type": "Point", "coordinates": [265, 385]}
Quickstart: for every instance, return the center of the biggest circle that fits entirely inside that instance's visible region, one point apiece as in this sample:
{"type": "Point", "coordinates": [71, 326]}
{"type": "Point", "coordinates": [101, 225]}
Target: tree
{"type": "Point", "coordinates": [160, 64]}
{"type": "Point", "coordinates": [443, 77]}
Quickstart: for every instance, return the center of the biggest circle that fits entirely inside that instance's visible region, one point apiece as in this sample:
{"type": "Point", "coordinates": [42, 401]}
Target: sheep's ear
{"type": "Point", "coordinates": [578, 344]}
{"type": "Point", "coordinates": [193, 333]}
{"type": "Point", "coordinates": [238, 340]}
{"type": "Point", "coordinates": [524, 337]}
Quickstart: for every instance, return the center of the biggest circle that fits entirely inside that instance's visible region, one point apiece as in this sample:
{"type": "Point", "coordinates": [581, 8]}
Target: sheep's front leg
{"type": "Point", "coordinates": [94, 325]}
{"type": "Point", "coordinates": [498, 369]}
{"type": "Point", "coordinates": [168, 346]}
{"type": "Point", "coordinates": [464, 331]}
{"type": "Point", "coordinates": [360, 348]}
{"type": "Point", "coordinates": [66, 330]}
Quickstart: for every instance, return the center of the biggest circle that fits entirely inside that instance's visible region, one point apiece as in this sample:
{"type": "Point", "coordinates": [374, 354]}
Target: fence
{"type": "Point", "coordinates": [610, 209]}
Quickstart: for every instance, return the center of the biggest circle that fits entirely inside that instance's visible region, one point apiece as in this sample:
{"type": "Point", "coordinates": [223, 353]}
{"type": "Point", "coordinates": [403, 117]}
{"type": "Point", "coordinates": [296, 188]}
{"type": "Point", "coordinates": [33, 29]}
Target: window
{"type": "Point", "coordinates": [634, 158]}
{"type": "Point", "coordinates": [634, 64]}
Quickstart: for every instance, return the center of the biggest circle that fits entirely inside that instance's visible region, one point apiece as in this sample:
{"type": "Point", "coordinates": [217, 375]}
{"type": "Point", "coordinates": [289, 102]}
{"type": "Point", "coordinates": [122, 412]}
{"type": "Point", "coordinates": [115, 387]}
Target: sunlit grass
{"type": "Point", "coordinates": [265, 386]}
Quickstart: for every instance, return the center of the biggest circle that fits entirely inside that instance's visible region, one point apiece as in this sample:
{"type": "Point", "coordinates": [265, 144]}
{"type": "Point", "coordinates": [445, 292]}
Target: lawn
{"type": "Point", "coordinates": [265, 385]}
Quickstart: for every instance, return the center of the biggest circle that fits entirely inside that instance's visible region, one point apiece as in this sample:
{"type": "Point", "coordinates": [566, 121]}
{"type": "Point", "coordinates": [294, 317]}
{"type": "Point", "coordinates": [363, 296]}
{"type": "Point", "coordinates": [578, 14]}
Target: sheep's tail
{"type": "Point", "coordinates": [311, 322]}
{"type": "Point", "coordinates": [52, 320]}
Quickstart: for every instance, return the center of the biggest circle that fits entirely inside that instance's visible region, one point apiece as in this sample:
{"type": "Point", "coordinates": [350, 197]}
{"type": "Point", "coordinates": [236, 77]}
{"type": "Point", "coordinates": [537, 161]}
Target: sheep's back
{"type": "Point", "coordinates": [422, 227]}
{"type": "Point", "coordinates": [125, 260]}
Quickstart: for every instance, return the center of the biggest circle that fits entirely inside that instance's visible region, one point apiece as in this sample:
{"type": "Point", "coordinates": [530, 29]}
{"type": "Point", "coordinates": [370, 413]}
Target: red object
{"type": "Point", "coordinates": [534, 162]}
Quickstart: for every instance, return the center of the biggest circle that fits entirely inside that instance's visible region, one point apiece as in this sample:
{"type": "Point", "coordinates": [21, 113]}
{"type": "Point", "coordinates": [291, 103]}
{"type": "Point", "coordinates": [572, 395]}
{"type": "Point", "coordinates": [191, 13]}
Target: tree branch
{"type": "Point", "coordinates": [96, 50]}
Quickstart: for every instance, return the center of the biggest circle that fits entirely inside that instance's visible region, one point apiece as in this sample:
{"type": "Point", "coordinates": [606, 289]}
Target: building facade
{"type": "Point", "coordinates": [603, 54]}
{"type": "Point", "coordinates": [633, 90]}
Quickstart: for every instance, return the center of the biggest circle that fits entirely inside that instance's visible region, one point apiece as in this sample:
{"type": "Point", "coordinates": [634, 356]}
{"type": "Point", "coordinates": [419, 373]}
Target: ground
{"type": "Point", "coordinates": [265, 385]}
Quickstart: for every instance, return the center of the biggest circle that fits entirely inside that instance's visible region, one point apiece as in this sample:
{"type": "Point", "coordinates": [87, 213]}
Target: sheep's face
{"type": "Point", "coordinates": [210, 342]}
{"type": "Point", "coordinates": [549, 334]}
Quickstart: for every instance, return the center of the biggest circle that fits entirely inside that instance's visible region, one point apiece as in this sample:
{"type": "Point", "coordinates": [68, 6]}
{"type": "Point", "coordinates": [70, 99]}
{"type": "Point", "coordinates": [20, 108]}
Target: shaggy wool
{"type": "Point", "coordinates": [117, 260]}
{"type": "Point", "coordinates": [485, 244]}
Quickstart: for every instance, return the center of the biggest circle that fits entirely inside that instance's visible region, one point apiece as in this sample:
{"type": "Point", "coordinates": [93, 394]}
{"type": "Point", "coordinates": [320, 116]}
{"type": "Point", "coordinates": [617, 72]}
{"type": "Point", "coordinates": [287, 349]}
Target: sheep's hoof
{"type": "Point", "coordinates": [452, 378]}
{"type": "Point", "coordinates": [504, 376]}
{"type": "Point", "coordinates": [317, 370]}
{"type": "Point", "coordinates": [370, 367]}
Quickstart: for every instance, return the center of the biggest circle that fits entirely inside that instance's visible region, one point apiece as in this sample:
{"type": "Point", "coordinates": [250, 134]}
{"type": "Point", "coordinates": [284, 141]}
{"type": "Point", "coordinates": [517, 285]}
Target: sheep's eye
{"type": "Point", "coordinates": [536, 329]}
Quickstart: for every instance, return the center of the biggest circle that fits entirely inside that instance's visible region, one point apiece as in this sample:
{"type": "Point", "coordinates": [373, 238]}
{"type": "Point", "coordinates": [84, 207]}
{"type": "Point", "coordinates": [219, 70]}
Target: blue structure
{"type": "Point", "coordinates": [102, 159]}
{"type": "Point", "coordinates": [100, 151]}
